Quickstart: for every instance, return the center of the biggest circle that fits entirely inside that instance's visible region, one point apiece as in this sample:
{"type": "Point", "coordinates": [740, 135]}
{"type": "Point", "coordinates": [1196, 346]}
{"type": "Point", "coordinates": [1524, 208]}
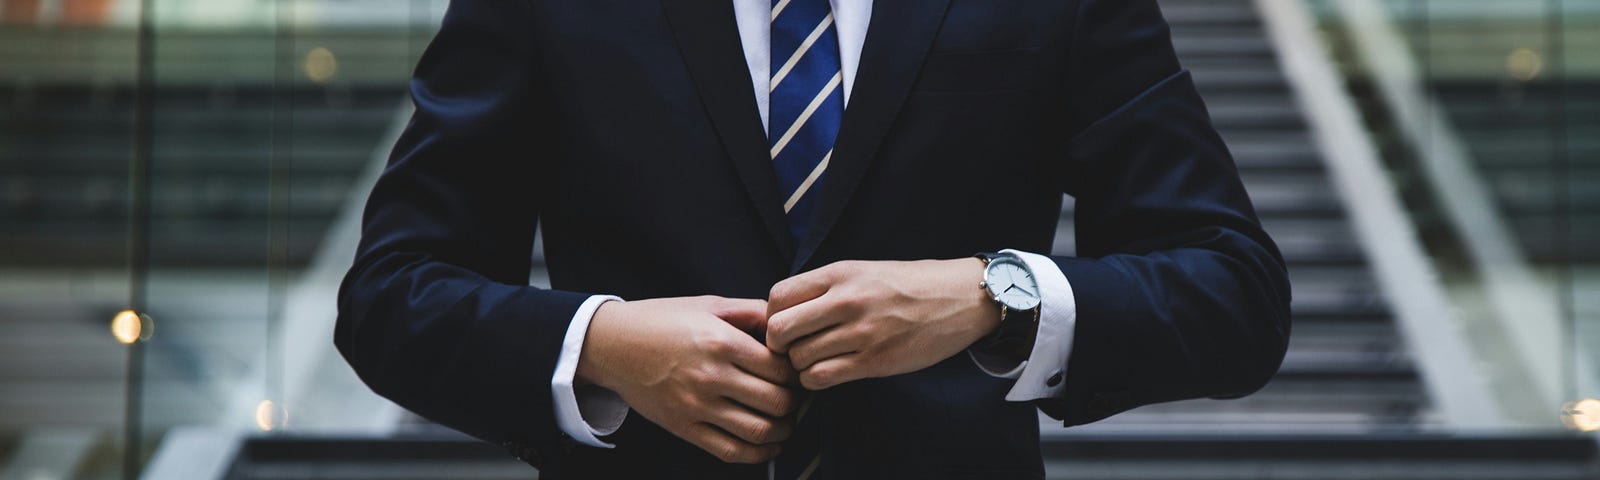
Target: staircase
{"type": "Point", "coordinates": [1347, 370]}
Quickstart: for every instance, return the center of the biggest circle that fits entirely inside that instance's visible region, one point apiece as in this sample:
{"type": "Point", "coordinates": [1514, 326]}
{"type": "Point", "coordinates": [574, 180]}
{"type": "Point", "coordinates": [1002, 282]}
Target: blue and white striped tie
{"type": "Point", "coordinates": [807, 102]}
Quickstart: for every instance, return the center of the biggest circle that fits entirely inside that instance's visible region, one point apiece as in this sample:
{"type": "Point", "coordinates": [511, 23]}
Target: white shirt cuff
{"type": "Point", "coordinates": [588, 412]}
{"type": "Point", "coordinates": [1058, 318]}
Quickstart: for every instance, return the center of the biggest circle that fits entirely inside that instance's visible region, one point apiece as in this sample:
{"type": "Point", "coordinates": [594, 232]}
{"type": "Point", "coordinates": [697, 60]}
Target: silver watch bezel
{"type": "Point", "coordinates": [1012, 259]}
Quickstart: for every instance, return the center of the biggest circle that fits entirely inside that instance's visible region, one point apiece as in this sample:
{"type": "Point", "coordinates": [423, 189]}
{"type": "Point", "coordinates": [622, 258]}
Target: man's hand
{"type": "Point", "coordinates": [856, 319]}
{"type": "Point", "coordinates": [684, 364]}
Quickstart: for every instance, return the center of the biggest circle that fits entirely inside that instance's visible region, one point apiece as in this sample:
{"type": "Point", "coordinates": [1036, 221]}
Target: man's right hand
{"type": "Point", "coordinates": [685, 364]}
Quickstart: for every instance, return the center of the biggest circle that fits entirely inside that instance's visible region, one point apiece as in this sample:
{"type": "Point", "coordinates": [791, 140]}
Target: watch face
{"type": "Point", "coordinates": [1011, 284]}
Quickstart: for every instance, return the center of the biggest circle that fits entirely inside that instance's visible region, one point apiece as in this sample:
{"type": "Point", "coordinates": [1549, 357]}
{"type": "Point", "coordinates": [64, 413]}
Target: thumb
{"type": "Point", "coordinates": [745, 314]}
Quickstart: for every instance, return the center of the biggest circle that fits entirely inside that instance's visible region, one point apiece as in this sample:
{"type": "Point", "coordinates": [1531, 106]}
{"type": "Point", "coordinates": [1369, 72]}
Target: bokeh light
{"type": "Point", "coordinates": [1524, 64]}
{"type": "Point", "coordinates": [321, 65]}
{"type": "Point", "coordinates": [1582, 415]}
{"type": "Point", "coordinates": [129, 327]}
{"type": "Point", "coordinates": [270, 416]}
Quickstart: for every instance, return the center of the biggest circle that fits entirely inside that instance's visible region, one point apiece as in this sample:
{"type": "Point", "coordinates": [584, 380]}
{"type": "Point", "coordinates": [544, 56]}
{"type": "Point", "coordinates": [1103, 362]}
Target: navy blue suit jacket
{"type": "Point", "coordinates": [629, 132]}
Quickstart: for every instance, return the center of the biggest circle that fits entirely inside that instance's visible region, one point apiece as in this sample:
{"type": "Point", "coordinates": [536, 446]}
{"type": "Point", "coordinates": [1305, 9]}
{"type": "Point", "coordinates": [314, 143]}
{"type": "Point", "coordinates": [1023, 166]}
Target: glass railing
{"type": "Point", "coordinates": [1490, 129]}
{"type": "Point", "coordinates": [180, 160]}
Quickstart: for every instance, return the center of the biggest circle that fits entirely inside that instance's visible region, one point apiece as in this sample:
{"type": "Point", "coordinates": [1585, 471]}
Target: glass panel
{"type": "Point", "coordinates": [1517, 89]}
{"type": "Point", "coordinates": [215, 124]}
{"type": "Point", "coordinates": [268, 115]}
{"type": "Point", "coordinates": [1521, 93]}
{"type": "Point", "coordinates": [1578, 24]}
{"type": "Point", "coordinates": [67, 115]}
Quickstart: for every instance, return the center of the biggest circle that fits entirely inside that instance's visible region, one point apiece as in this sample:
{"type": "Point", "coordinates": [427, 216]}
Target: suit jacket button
{"type": "Point", "coordinates": [1055, 379]}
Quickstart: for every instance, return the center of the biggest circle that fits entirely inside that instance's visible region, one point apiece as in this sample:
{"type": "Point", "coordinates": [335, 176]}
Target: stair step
{"type": "Point", "coordinates": [1321, 457]}
{"type": "Point", "coordinates": [110, 159]}
{"type": "Point", "coordinates": [1259, 112]}
{"type": "Point", "coordinates": [55, 124]}
{"type": "Point", "coordinates": [1068, 455]}
{"type": "Point", "coordinates": [194, 243]}
{"type": "Point", "coordinates": [117, 147]}
{"type": "Point", "coordinates": [1181, 14]}
{"type": "Point", "coordinates": [117, 98]}
{"type": "Point", "coordinates": [1573, 189]}
{"type": "Point", "coordinates": [1243, 46]}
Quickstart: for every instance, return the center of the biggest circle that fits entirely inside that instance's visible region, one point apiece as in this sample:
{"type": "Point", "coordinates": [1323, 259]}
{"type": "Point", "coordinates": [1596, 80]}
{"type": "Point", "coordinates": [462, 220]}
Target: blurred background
{"type": "Point", "coordinates": [181, 183]}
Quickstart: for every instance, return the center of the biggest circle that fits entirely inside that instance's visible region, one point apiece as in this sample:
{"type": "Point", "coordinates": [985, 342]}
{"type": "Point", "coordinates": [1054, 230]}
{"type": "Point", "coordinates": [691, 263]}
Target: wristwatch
{"type": "Point", "coordinates": [1010, 283]}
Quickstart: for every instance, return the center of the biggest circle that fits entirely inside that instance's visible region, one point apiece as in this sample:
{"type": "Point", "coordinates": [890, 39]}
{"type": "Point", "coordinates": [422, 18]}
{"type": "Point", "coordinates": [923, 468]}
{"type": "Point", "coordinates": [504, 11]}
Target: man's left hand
{"type": "Point", "coordinates": [861, 319]}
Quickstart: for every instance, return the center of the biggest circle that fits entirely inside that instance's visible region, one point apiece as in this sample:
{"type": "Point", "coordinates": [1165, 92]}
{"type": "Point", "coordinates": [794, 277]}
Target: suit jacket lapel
{"type": "Point", "coordinates": [898, 39]}
{"type": "Point", "coordinates": [708, 38]}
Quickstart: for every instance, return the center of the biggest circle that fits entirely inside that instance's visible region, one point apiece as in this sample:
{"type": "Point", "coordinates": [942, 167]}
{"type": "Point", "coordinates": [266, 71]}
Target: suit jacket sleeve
{"type": "Point", "coordinates": [1180, 293]}
{"type": "Point", "coordinates": [436, 313]}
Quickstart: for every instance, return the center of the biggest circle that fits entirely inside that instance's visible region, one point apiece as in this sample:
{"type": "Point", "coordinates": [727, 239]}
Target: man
{"type": "Point", "coordinates": [793, 196]}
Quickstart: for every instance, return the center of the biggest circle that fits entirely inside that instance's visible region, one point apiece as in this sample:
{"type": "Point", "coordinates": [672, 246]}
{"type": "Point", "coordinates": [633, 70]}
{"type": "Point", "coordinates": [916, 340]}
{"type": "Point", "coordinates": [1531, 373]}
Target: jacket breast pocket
{"type": "Point", "coordinates": [976, 72]}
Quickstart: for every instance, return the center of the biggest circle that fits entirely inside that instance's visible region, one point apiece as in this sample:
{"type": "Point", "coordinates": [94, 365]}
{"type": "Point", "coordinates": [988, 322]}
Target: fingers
{"type": "Point", "coordinates": [726, 447]}
{"type": "Point", "coordinates": [835, 341]}
{"type": "Point", "coordinates": [834, 371]}
{"type": "Point", "coordinates": [759, 395]}
{"type": "Point", "coordinates": [751, 356]}
{"type": "Point", "coordinates": [789, 325]}
{"type": "Point", "coordinates": [749, 426]}
{"type": "Point", "coordinates": [746, 314]}
{"type": "Point", "coordinates": [799, 289]}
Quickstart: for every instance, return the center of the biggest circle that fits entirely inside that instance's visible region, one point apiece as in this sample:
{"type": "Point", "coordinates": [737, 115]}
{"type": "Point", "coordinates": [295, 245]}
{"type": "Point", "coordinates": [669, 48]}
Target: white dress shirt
{"type": "Point", "coordinates": [594, 412]}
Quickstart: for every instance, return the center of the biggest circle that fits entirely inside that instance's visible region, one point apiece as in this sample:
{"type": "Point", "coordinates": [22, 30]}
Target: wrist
{"type": "Point", "coordinates": [1013, 293]}
{"type": "Point", "coordinates": [969, 284]}
{"type": "Point", "coordinates": [591, 365]}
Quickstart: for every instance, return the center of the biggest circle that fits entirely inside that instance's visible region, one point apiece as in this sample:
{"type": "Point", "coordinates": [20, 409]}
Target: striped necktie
{"type": "Point", "coordinates": [807, 103]}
